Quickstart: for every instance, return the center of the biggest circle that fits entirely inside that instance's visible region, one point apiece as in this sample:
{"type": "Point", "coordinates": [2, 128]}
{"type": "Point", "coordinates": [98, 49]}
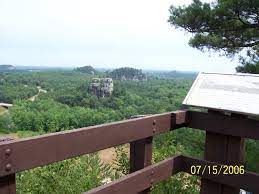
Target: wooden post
{"type": "Point", "coordinates": [7, 183]}
{"type": "Point", "coordinates": [224, 149]}
{"type": "Point", "coordinates": [141, 156]}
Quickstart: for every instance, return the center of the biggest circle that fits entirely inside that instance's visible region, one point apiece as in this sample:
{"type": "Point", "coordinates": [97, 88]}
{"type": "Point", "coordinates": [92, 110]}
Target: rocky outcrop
{"type": "Point", "coordinates": [101, 87]}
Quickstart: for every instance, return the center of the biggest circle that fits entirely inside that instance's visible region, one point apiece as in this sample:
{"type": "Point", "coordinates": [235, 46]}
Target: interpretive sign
{"type": "Point", "coordinates": [228, 92]}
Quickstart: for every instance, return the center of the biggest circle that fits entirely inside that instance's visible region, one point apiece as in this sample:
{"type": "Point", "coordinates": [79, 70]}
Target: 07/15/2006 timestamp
{"type": "Point", "coordinates": [218, 169]}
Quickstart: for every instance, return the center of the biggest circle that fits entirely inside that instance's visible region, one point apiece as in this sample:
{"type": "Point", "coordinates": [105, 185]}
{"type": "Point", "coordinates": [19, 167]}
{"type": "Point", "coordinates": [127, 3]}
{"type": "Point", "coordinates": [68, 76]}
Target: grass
{"type": "Point", "coordinates": [19, 134]}
{"type": "Point", "coordinates": [24, 134]}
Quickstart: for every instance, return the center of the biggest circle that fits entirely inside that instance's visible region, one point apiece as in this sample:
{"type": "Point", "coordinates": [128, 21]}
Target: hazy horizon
{"type": "Point", "coordinates": [100, 67]}
{"type": "Point", "coordinates": [103, 34]}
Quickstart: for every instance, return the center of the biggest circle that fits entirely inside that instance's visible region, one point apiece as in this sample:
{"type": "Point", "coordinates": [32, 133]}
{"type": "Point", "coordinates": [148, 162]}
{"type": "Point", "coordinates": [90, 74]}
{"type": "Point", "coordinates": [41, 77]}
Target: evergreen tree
{"type": "Point", "coordinates": [230, 26]}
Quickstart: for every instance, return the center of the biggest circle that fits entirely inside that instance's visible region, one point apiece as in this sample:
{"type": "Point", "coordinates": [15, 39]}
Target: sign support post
{"type": "Point", "coordinates": [224, 149]}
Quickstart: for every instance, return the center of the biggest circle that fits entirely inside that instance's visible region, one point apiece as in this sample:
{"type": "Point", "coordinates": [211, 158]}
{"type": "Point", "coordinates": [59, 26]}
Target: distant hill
{"type": "Point", "coordinates": [7, 68]}
{"type": "Point", "coordinates": [128, 73]}
{"type": "Point", "coordinates": [87, 69]}
{"type": "Point", "coordinates": [172, 74]}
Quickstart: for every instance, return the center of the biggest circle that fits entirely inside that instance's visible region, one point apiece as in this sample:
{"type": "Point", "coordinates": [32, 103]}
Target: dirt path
{"type": "Point", "coordinates": [39, 91]}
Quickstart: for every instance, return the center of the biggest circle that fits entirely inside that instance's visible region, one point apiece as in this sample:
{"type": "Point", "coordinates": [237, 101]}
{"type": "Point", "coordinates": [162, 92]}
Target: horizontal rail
{"type": "Point", "coordinates": [223, 124]}
{"type": "Point", "coordinates": [146, 177]}
{"type": "Point", "coordinates": [141, 179]}
{"type": "Point", "coordinates": [23, 154]}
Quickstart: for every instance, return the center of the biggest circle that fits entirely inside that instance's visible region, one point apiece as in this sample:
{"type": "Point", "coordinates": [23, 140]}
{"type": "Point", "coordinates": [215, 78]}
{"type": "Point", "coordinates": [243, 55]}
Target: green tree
{"type": "Point", "coordinates": [69, 176]}
{"type": "Point", "coordinates": [231, 26]}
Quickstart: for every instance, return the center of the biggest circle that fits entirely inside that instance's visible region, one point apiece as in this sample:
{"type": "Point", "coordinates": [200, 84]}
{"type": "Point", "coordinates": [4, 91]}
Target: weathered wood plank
{"type": "Point", "coordinates": [7, 183]}
{"type": "Point", "coordinates": [224, 149]}
{"type": "Point", "coordinates": [141, 156]}
{"type": "Point", "coordinates": [223, 124]}
{"type": "Point", "coordinates": [141, 179]}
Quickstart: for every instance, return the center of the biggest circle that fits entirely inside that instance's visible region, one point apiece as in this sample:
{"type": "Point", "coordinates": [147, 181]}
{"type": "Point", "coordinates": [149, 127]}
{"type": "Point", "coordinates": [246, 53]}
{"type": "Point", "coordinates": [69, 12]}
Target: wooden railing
{"type": "Point", "coordinates": [224, 145]}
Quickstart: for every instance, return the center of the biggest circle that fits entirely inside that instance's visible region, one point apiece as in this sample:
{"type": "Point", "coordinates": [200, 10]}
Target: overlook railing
{"type": "Point", "coordinates": [224, 145]}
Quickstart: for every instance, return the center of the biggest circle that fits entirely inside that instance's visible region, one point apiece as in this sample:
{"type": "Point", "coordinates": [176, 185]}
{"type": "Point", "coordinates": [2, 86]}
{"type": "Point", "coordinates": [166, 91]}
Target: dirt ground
{"type": "Point", "coordinates": [11, 135]}
{"type": "Point", "coordinates": [108, 155]}
{"type": "Point", "coordinates": [2, 110]}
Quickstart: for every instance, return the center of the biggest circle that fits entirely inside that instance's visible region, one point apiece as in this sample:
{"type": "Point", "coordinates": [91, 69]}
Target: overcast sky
{"type": "Point", "coordinates": [101, 33]}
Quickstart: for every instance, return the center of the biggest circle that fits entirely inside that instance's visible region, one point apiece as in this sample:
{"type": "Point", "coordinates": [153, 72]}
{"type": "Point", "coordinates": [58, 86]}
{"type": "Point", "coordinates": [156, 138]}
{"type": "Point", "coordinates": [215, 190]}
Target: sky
{"type": "Point", "coordinates": [101, 33]}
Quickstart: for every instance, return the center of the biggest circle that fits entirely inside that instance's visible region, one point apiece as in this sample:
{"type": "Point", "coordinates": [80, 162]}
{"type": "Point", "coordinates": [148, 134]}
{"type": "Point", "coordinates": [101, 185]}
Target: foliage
{"type": "Point", "coordinates": [127, 73]}
{"type": "Point", "coordinates": [129, 98]}
{"type": "Point", "coordinates": [172, 74]}
{"type": "Point", "coordinates": [9, 92]}
{"type": "Point", "coordinates": [122, 165]}
{"type": "Point", "coordinates": [166, 146]}
{"type": "Point", "coordinates": [252, 155]}
{"type": "Point", "coordinates": [68, 104]}
{"type": "Point", "coordinates": [70, 176]}
{"type": "Point", "coordinates": [50, 116]}
{"type": "Point", "coordinates": [248, 68]}
{"type": "Point", "coordinates": [182, 141]}
{"type": "Point", "coordinates": [227, 25]}
{"type": "Point", "coordinates": [179, 183]}
{"type": "Point", "coordinates": [27, 133]}
{"type": "Point", "coordinates": [190, 141]}
{"type": "Point", "coordinates": [6, 122]}
{"type": "Point", "coordinates": [87, 69]}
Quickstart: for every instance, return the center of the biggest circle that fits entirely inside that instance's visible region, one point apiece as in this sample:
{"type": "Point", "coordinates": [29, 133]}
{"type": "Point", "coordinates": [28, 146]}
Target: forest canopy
{"type": "Point", "coordinates": [67, 104]}
{"type": "Point", "coordinates": [127, 73]}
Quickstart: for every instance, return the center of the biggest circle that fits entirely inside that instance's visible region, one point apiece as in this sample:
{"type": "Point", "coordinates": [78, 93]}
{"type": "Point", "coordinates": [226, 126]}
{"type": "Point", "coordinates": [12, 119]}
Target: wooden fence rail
{"type": "Point", "coordinates": [144, 178]}
{"type": "Point", "coordinates": [229, 131]}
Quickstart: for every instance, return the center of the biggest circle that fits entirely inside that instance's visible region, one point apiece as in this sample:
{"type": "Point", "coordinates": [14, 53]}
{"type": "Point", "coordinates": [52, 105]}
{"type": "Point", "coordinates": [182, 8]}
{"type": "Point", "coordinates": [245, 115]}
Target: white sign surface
{"type": "Point", "coordinates": [229, 92]}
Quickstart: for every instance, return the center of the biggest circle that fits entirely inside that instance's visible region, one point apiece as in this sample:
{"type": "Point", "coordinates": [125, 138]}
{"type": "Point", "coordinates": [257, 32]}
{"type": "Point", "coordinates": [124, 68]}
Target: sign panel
{"type": "Point", "coordinates": [237, 93]}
